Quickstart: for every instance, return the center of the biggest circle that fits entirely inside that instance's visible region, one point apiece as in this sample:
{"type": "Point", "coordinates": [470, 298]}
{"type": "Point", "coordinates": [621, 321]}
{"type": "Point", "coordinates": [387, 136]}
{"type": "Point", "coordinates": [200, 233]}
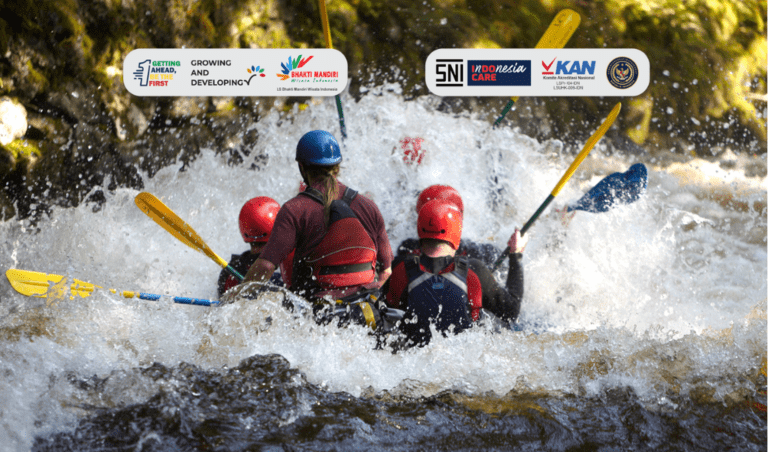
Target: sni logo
{"type": "Point", "coordinates": [449, 72]}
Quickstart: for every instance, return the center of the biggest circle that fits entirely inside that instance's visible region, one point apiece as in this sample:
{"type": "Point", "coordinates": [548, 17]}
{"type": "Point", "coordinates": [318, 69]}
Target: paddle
{"type": "Point", "coordinates": [329, 44]}
{"type": "Point", "coordinates": [46, 285]}
{"type": "Point", "coordinates": [591, 142]}
{"type": "Point", "coordinates": [171, 222]}
{"type": "Point", "coordinates": [616, 188]}
{"type": "Point", "coordinates": [557, 35]}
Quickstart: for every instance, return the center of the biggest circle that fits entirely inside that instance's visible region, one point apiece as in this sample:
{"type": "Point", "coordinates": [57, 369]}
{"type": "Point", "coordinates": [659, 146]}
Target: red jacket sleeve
{"type": "Point", "coordinates": [475, 294]}
{"type": "Point", "coordinates": [398, 282]}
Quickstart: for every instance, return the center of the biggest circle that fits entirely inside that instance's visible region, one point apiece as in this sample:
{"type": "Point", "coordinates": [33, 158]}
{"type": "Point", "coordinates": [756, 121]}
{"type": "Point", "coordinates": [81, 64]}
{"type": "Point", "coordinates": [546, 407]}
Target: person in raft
{"type": "Point", "coordinates": [338, 235]}
{"type": "Point", "coordinates": [485, 252]}
{"type": "Point", "coordinates": [256, 219]}
{"type": "Point", "coordinates": [448, 291]}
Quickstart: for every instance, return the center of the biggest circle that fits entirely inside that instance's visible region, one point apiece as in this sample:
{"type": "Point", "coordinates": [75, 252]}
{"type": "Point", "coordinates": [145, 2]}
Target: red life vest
{"type": "Point", "coordinates": [346, 256]}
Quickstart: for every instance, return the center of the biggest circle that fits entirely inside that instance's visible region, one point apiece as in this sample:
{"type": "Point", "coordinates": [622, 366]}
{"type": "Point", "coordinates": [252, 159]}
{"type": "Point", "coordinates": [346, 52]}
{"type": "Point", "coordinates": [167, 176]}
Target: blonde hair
{"type": "Point", "coordinates": [326, 175]}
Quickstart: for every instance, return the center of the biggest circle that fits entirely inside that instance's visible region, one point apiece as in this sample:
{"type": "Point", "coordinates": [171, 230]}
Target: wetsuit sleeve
{"type": "Point", "coordinates": [226, 280]}
{"type": "Point", "coordinates": [222, 284]}
{"type": "Point", "coordinates": [503, 302]}
{"type": "Point", "coordinates": [395, 287]}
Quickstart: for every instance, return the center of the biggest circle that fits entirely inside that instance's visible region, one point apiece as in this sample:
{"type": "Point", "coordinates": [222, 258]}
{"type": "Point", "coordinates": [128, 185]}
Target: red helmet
{"type": "Point", "coordinates": [257, 217]}
{"type": "Point", "coordinates": [440, 219]}
{"type": "Point", "coordinates": [445, 192]}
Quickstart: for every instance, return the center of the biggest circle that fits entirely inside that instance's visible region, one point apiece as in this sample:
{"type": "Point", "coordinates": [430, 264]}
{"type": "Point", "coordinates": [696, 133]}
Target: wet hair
{"type": "Point", "coordinates": [326, 175]}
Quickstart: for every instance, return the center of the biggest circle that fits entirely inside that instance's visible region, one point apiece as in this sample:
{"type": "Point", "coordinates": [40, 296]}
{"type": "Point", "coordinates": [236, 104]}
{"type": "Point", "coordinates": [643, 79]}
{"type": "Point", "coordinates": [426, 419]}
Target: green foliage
{"type": "Point", "coordinates": [708, 57]}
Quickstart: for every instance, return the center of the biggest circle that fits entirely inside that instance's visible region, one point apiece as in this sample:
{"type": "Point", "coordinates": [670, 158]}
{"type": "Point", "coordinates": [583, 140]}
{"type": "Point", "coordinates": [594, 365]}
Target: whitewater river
{"type": "Point", "coordinates": [641, 328]}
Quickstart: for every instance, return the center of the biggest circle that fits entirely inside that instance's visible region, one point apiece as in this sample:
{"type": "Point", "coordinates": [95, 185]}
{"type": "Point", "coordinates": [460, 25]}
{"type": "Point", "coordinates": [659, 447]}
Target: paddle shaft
{"type": "Point", "coordinates": [168, 220]}
{"type": "Point", "coordinates": [329, 44]}
{"type": "Point", "coordinates": [591, 142]}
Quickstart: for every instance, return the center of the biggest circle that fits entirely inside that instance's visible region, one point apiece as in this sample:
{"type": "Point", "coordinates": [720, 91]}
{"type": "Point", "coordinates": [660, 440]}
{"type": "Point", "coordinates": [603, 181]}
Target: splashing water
{"type": "Point", "coordinates": [664, 298]}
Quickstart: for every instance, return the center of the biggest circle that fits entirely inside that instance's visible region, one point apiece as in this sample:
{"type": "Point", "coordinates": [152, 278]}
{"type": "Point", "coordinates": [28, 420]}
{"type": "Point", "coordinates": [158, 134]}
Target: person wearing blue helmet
{"type": "Point", "coordinates": [338, 234]}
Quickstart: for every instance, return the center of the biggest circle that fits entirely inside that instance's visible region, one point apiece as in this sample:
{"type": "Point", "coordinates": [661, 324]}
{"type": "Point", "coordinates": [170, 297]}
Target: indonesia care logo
{"type": "Point", "coordinates": [291, 72]}
{"type": "Point", "coordinates": [622, 72]}
{"type": "Point", "coordinates": [499, 73]}
{"type": "Point", "coordinates": [156, 73]}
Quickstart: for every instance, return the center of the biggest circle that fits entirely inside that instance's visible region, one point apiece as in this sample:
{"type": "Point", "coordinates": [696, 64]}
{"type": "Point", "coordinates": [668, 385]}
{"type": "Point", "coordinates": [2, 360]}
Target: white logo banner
{"type": "Point", "coordinates": [235, 72]}
{"type": "Point", "coordinates": [537, 72]}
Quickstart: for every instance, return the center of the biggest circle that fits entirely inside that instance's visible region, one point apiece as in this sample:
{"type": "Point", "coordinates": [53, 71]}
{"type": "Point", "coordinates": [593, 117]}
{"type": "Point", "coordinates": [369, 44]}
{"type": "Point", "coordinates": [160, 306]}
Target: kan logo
{"type": "Point", "coordinates": [567, 67]}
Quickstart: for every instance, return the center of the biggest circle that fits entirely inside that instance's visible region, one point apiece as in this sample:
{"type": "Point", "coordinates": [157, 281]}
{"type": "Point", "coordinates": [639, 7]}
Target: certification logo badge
{"type": "Point", "coordinates": [450, 72]}
{"type": "Point", "coordinates": [622, 72]}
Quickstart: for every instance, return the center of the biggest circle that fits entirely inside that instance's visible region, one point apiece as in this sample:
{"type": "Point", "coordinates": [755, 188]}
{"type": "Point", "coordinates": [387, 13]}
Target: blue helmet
{"type": "Point", "coordinates": [319, 148]}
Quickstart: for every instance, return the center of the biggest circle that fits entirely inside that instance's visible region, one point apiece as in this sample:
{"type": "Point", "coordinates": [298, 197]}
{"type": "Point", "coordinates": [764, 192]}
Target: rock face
{"type": "Point", "coordinates": [61, 63]}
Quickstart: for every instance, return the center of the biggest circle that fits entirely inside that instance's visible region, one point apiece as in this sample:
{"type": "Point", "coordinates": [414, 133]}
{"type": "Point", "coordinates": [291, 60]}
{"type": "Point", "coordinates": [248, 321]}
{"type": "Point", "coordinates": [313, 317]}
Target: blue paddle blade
{"type": "Point", "coordinates": [617, 188]}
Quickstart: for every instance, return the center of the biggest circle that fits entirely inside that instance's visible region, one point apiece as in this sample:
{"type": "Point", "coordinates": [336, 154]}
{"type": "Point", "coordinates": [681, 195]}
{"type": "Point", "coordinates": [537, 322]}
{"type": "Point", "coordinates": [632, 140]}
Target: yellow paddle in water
{"type": "Point", "coordinates": [556, 37]}
{"type": "Point", "coordinates": [591, 142]}
{"type": "Point", "coordinates": [168, 220]}
{"type": "Point", "coordinates": [55, 287]}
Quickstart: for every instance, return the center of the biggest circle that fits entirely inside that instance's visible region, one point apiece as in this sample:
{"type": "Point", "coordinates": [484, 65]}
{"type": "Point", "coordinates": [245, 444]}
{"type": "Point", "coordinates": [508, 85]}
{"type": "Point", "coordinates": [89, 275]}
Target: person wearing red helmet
{"type": "Point", "coordinates": [445, 192]}
{"type": "Point", "coordinates": [338, 235]}
{"type": "Point", "coordinates": [448, 291]}
{"type": "Point", "coordinates": [256, 220]}
{"type": "Point", "coordinates": [485, 252]}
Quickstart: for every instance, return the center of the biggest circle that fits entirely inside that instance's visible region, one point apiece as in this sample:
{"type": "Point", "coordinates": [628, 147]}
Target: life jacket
{"type": "Point", "coordinates": [286, 269]}
{"type": "Point", "coordinates": [346, 256]}
{"type": "Point", "coordinates": [439, 299]}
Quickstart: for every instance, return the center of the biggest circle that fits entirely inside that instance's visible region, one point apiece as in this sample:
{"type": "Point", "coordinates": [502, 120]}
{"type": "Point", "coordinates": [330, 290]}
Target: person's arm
{"type": "Point", "coordinates": [260, 271]}
{"type": "Point", "coordinates": [503, 302]}
{"type": "Point", "coordinates": [395, 287]}
{"type": "Point", "coordinates": [384, 276]}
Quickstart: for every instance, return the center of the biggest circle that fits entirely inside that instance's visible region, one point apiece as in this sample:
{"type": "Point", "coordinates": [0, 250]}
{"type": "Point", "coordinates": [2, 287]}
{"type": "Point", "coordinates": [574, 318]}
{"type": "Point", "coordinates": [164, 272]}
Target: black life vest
{"type": "Point", "coordinates": [346, 256]}
{"type": "Point", "coordinates": [439, 299]}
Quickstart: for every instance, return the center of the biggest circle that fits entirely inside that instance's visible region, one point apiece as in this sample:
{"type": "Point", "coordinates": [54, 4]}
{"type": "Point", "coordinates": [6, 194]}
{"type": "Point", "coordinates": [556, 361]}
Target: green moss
{"type": "Point", "coordinates": [640, 112]}
{"type": "Point", "coordinates": [35, 78]}
{"type": "Point", "coordinates": [22, 149]}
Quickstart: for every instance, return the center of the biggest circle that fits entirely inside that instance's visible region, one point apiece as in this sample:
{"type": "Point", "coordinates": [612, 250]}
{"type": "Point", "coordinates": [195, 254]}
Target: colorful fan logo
{"type": "Point", "coordinates": [258, 70]}
{"type": "Point", "coordinates": [296, 63]}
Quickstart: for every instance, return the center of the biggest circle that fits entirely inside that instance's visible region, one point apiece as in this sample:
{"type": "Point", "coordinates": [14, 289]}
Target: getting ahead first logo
{"type": "Point", "coordinates": [155, 73]}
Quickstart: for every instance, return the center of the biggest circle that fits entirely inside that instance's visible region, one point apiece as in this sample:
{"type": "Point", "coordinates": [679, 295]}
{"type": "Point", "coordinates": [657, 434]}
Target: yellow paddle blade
{"type": "Point", "coordinates": [33, 284]}
{"type": "Point", "coordinates": [560, 30]}
{"type": "Point", "coordinates": [82, 288]}
{"type": "Point", "coordinates": [591, 142]}
{"type": "Point", "coordinates": [168, 220]}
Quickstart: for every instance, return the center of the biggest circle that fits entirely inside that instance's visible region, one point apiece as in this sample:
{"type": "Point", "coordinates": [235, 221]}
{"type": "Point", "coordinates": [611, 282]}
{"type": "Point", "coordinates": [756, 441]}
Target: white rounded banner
{"type": "Point", "coordinates": [235, 72]}
{"type": "Point", "coordinates": [537, 72]}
